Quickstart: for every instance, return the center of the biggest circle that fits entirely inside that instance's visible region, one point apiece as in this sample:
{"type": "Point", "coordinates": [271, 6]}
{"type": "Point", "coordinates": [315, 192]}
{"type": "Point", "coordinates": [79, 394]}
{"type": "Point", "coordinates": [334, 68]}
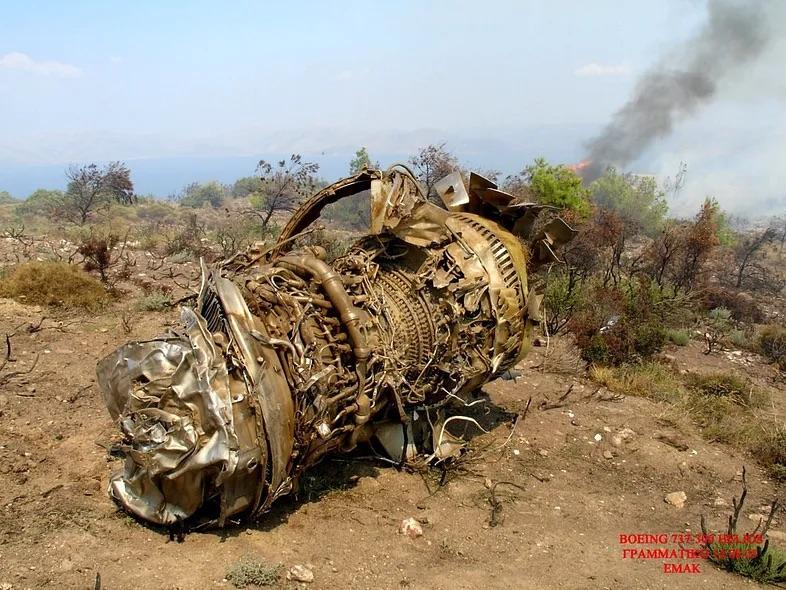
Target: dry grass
{"type": "Point", "coordinates": [651, 380]}
{"type": "Point", "coordinates": [727, 409]}
{"type": "Point", "coordinates": [53, 283]}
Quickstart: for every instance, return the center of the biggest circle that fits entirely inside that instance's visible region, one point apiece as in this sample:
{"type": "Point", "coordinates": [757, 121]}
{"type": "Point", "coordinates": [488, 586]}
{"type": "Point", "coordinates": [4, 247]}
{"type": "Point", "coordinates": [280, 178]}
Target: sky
{"type": "Point", "coordinates": [196, 90]}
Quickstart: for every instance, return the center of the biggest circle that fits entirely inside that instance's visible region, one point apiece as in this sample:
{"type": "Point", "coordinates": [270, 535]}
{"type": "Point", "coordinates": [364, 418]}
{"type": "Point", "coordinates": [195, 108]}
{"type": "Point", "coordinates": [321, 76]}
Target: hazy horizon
{"type": "Point", "coordinates": [203, 91]}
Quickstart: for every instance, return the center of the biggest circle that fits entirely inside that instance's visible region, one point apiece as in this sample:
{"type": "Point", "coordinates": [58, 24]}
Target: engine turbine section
{"type": "Point", "coordinates": [286, 357]}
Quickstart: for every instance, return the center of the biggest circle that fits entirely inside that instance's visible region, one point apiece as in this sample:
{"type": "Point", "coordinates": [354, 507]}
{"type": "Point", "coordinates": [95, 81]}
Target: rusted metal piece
{"type": "Point", "coordinates": [287, 357]}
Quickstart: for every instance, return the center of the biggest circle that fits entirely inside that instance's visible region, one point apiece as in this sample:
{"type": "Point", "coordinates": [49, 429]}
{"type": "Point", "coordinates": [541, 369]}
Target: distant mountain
{"type": "Point", "coordinates": [25, 168]}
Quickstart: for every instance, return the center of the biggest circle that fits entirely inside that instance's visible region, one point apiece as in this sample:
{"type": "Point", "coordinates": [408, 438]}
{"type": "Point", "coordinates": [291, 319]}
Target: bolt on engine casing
{"type": "Point", "coordinates": [286, 357]}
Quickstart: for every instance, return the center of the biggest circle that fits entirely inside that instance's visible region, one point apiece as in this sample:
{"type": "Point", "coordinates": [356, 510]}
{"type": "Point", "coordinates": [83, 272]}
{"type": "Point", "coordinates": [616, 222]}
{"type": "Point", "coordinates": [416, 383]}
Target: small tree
{"type": "Point", "coordinates": [746, 252]}
{"type": "Point", "coordinates": [41, 202]}
{"type": "Point", "coordinates": [636, 199]}
{"type": "Point", "coordinates": [198, 194]}
{"type": "Point", "coordinates": [360, 161]}
{"type": "Point", "coordinates": [663, 252]}
{"type": "Point", "coordinates": [246, 186]}
{"type": "Point", "coordinates": [284, 186]}
{"type": "Point", "coordinates": [433, 163]}
{"type": "Point", "coordinates": [558, 186]}
{"type": "Point", "coordinates": [91, 188]}
{"type": "Point", "coordinates": [698, 240]}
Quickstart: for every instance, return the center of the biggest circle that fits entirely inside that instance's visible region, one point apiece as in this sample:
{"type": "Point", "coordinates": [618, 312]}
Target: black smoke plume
{"type": "Point", "coordinates": [735, 33]}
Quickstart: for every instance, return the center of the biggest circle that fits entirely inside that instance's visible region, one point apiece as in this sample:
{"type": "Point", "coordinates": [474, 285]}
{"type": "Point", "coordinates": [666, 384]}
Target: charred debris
{"type": "Point", "coordinates": [286, 357]}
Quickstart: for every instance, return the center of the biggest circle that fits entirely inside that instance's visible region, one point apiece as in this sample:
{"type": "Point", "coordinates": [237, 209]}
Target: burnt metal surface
{"type": "Point", "coordinates": [286, 357]}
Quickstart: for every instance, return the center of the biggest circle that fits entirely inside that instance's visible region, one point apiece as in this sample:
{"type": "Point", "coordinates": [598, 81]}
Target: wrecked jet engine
{"type": "Point", "coordinates": [286, 357]}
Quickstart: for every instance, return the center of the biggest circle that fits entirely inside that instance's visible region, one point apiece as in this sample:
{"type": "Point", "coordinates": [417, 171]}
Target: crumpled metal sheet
{"type": "Point", "coordinates": [171, 399]}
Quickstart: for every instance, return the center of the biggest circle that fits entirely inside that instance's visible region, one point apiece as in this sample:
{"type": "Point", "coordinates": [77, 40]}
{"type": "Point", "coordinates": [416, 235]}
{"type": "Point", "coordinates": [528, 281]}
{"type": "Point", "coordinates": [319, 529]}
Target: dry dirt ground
{"type": "Point", "coordinates": [576, 490]}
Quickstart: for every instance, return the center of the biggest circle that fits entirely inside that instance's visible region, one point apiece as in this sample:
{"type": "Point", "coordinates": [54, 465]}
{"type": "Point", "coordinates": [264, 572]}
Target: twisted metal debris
{"type": "Point", "coordinates": [286, 357]}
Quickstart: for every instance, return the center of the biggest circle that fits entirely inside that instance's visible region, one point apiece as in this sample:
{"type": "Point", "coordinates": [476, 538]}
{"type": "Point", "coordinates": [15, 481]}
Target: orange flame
{"type": "Point", "coordinates": [579, 166]}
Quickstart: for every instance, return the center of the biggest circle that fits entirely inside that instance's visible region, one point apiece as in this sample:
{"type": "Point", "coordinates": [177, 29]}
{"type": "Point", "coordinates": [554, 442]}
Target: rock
{"type": "Point", "coordinates": [598, 437]}
{"type": "Point", "coordinates": [608, 455]}
{"type": "Point", "coordinates": [777, 535]}
{"type": "Point", "coordinates": [757, 518]}
{"type": "Point", "coordinates": [676, 499]}
{"type": "Point", "coordinates": [672, 439]}
{"type": "Point", "coordinates": [720, 502]}
{"type": "Point", "coordinates": [300, 573]}
{"type": "Point", "coordinates": [543, 453]}
{"type": "Point", "coordinates": [539, 341]}
{"type": "Point", "coordinates": [411, 528]}
{"type": "Point", "coordinates": [623, 435]}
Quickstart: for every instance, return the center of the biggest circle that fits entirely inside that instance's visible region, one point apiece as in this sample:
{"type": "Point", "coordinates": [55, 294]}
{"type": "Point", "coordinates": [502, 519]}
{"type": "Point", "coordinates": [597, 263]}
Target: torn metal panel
{"type": "Point", "coordinates": [452, 191]}
{"type": "Point", "coordinates": [287, 357]}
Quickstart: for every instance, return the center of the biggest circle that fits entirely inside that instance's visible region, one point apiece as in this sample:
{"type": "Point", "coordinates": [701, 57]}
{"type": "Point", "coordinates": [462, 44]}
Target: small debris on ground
{"type": "Point", "coordinates": [672, 439]}
{"type": "Point", "coordinates": [622, 436]}
{"type": "Point", "coordinates": [411, 528]}
{"type": "Point", "coordinates": [676, 499]}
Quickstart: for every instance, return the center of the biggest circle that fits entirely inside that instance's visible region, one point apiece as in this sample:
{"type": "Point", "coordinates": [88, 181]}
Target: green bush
{"type": "Point", "coordinates": [649, 339]}
{"type": "Point", "coordinates": [739, 339]}
{"type": "Point", "coordinates": [253, 572]}
{"type": "Point", "coordinates": [155, 301]}
{"type": "Point", "coordinates": [559, 301]}
{"type": "Point", "coordinates": [743, 559]}
{"type": "Point", "coordinates": [53, 283]}
{"type": "Point", "coordinates": [678, 337]}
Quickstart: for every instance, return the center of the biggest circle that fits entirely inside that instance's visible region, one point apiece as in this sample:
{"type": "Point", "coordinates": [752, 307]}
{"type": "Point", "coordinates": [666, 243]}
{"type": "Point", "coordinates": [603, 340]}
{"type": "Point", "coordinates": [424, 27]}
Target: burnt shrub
{"type": "Point", "coordinates": [742, 306]}
{"type": "Point", "coordinates": [98, 253]}
{"type": "Point", "coordinates": [772, 342]}
{"type": "Point", "coordinates": [615, 327]}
